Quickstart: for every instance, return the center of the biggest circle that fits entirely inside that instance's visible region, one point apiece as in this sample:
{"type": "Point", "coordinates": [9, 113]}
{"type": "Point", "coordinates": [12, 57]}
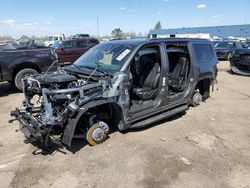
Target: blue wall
{"type": "Point", "coordinates": [220, 31]}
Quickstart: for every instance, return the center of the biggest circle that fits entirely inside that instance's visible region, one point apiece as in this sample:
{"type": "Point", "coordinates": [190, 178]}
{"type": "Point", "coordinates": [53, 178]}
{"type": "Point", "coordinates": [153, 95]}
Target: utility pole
{"type": "Point", "coordinates": [97, 27]}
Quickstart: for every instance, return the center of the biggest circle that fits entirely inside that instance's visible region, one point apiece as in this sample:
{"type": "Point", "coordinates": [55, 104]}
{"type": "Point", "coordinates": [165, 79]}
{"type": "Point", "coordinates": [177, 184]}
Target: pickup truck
{"type": "Point", "coordinates": [16, 63]}
{"type": "Point", "coordinates": [54, 38]}
{"type": "Point", "coordinates": [122, 84]}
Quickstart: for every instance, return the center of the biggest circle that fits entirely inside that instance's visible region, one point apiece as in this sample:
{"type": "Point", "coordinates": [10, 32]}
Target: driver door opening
{"type": "Point", "coordinates": [145, 72]}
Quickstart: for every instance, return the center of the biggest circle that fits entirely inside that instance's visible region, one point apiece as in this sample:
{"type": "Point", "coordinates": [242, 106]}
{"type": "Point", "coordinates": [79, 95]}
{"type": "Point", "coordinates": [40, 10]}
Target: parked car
{"type": "Point", "coordinates": [245, 44]}
{"type": "Point", "coordinates": [240, 61]}
{"type": "Point", "coordinates": [70, 50]}
{"type": "Point", "coordinates": [124, 84]}
{"type": "Point", "coordinates": [224, 48]}
{"type": "Point", "coordinates": [16, 63]}
{"type": "Point", "coordinates": [54, 38]}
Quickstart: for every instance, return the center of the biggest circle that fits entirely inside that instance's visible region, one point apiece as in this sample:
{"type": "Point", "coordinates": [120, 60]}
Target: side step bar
{"type": "Point", "coordinates": [159, 117]}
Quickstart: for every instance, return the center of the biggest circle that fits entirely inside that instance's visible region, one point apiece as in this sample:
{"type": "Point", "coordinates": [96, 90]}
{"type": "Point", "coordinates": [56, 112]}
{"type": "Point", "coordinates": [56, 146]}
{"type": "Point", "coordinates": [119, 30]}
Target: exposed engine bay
{"type": "Point", "coordinates": [52, 99]}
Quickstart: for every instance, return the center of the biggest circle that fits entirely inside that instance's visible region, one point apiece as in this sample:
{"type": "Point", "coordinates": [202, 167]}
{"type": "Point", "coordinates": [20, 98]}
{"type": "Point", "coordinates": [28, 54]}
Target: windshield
{"type": "Point", "coordinates": [222, 45]}
{"type": "Point", "coordinates": [51, 38]}
{"type": "Point", "coordinates": [109, 56]}
{"type": "Point", "coordinates": [56, 45]}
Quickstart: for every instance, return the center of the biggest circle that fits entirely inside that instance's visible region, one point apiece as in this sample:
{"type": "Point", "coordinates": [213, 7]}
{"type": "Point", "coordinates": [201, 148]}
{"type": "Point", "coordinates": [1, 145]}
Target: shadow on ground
{"type": "Point", "coordinates": [7, 89]}
{"type": "Point", "coordinates": [78, 144]}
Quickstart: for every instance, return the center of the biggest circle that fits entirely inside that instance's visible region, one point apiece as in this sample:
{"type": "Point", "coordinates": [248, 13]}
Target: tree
{"type": "Point", "coordinates": [158, 25]}
{"type": "Point", "coordinates": [117, 33]}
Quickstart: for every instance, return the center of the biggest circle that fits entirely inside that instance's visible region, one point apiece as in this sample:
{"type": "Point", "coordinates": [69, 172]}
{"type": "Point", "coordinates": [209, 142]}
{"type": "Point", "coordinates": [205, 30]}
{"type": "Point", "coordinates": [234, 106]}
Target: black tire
{"type": "Point", "coordinates": [21, 74]}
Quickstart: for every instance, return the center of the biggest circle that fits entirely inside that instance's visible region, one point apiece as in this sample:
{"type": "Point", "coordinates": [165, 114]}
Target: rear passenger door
{"type": "Point", "coordinates": [81, 48]}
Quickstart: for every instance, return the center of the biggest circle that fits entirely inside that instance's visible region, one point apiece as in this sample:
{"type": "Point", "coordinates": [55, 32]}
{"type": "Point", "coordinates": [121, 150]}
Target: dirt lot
{"type": "Point", "coordinates": [209, 146]}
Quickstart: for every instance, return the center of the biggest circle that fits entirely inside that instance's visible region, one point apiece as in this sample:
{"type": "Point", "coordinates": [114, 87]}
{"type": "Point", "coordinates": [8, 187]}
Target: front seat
{"type": "Point", "coordinates": [178, 75]}
{"type": "Point", "coordinates": [148, 81]}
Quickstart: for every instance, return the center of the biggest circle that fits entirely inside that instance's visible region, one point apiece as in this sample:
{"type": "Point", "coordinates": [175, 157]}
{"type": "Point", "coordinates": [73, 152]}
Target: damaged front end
{"type": "Point", "coordinates": [51, 101]}
{"type": "Point", "coordinates": [240, 62]}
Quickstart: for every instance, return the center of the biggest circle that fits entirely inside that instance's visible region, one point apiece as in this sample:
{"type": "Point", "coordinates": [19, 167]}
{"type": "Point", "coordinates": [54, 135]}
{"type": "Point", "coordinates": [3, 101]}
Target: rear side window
{"type": "Point", "coordinates": [68, 44]}
{"type": "Point", "coordinates": [81, 44]}
{"type": "Point", "coordinates": [204, 52]}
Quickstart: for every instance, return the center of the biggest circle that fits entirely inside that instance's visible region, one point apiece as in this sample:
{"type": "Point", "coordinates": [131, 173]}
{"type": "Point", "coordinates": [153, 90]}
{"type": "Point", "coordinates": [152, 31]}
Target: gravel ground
{"type": "Point", "coordinates": [209, 146]}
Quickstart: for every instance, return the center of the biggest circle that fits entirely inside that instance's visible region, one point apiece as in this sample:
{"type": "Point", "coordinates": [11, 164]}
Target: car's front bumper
{"type": "Point", "coordinates": [240, 65]}
{"type": "Point", "coordinates": [29, 125]}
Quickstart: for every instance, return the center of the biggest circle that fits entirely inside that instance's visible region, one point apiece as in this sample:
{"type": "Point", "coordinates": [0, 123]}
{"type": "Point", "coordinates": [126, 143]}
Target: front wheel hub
{"type": "Point", "coordinates": [97, 133]}
{"type": "Point", "coordinates": [197, 99]}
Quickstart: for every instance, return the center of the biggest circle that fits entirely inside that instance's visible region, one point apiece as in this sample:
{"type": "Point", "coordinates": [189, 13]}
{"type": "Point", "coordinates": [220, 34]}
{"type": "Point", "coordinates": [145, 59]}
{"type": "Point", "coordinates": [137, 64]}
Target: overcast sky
{"type": "Point", "coordinates": [45, 17]}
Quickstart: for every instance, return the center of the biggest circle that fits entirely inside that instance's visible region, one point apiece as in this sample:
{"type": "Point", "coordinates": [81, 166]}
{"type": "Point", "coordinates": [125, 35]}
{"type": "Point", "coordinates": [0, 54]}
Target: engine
{"type": "Point", "coordinates": [52, 99]}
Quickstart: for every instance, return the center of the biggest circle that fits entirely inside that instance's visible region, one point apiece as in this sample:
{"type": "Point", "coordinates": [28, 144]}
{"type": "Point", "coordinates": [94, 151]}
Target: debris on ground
{"type": "Point", "coordinates": [185, 161]}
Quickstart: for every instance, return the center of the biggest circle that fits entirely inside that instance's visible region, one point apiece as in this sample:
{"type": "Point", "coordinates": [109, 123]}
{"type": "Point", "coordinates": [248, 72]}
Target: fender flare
{"type": "Point", "coordinates": [72, 122]}
{"type": "Point", "coordinates": [23, 60]}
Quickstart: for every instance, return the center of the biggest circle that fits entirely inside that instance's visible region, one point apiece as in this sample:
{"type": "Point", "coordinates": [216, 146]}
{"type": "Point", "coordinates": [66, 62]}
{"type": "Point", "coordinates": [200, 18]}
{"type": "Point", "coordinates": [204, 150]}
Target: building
{"type": "Point", "coordinates": [237, 31]}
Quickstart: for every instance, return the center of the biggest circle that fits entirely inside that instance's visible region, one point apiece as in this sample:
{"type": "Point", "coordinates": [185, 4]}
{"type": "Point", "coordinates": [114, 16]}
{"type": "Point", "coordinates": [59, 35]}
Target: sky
{"type": "Point", "coordinates": [46, 17]}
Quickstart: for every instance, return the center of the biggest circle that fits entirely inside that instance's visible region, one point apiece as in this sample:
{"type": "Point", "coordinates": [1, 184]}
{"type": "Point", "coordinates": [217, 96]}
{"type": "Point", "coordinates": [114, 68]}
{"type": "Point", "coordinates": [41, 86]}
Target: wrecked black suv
{"type": "Point", "coordinates": [123, 83]}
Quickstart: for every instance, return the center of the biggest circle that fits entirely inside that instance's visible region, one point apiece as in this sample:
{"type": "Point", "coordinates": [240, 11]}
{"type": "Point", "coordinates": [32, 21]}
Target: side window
{"type": "Point", "coordinates": [55, 38]}
{"type": "Point", "coordinates": [178, 57]}
{"type": "Point", "coordinates": [60, 38]}
{"type": "Point", "coordinates": [204, 52]}
{"type": "Point", "coordinates": [68, 44]}
{"type": "Point", "coordinates": [81, 44]}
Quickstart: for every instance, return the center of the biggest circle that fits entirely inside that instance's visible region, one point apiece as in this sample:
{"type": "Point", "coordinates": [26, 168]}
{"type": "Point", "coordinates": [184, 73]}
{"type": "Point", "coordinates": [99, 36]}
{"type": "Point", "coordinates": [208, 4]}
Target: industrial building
{"type": "Point", "coordinates": [237, 31]}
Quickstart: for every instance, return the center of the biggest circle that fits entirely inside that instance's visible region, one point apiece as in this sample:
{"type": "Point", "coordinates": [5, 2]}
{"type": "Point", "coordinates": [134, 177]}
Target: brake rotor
{"type": "Point", "coordinates": [96, 134]}
{"type": "Point", "coordinates": [196, 99]}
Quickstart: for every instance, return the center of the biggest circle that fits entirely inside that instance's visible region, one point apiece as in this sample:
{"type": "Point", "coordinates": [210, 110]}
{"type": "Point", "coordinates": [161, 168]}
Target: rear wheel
{"type": "Point", "coordinates": [196, 99]}
{"type": "Point", "coordinates": [21, 74]}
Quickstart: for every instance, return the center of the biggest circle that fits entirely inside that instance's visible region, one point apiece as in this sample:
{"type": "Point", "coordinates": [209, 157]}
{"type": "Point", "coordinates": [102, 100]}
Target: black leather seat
{"type": "Point", "coordinates": [177, 77]}
{"type": "Point", "coordinates": [148, 80]}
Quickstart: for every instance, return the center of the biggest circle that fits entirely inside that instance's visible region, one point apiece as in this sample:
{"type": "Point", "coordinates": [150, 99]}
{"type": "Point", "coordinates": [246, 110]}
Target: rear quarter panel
{"type": "Point", "coordinates": [205, 69]}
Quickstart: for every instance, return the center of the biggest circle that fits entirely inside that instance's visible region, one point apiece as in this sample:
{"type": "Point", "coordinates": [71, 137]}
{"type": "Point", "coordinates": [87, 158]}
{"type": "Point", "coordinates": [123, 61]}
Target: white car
{"type": "Point", "coordinates": [54, 38]}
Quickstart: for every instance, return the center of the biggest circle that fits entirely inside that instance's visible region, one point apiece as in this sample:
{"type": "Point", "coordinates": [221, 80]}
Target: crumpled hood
{"type": "Point", "coordinates": [55, 78]}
